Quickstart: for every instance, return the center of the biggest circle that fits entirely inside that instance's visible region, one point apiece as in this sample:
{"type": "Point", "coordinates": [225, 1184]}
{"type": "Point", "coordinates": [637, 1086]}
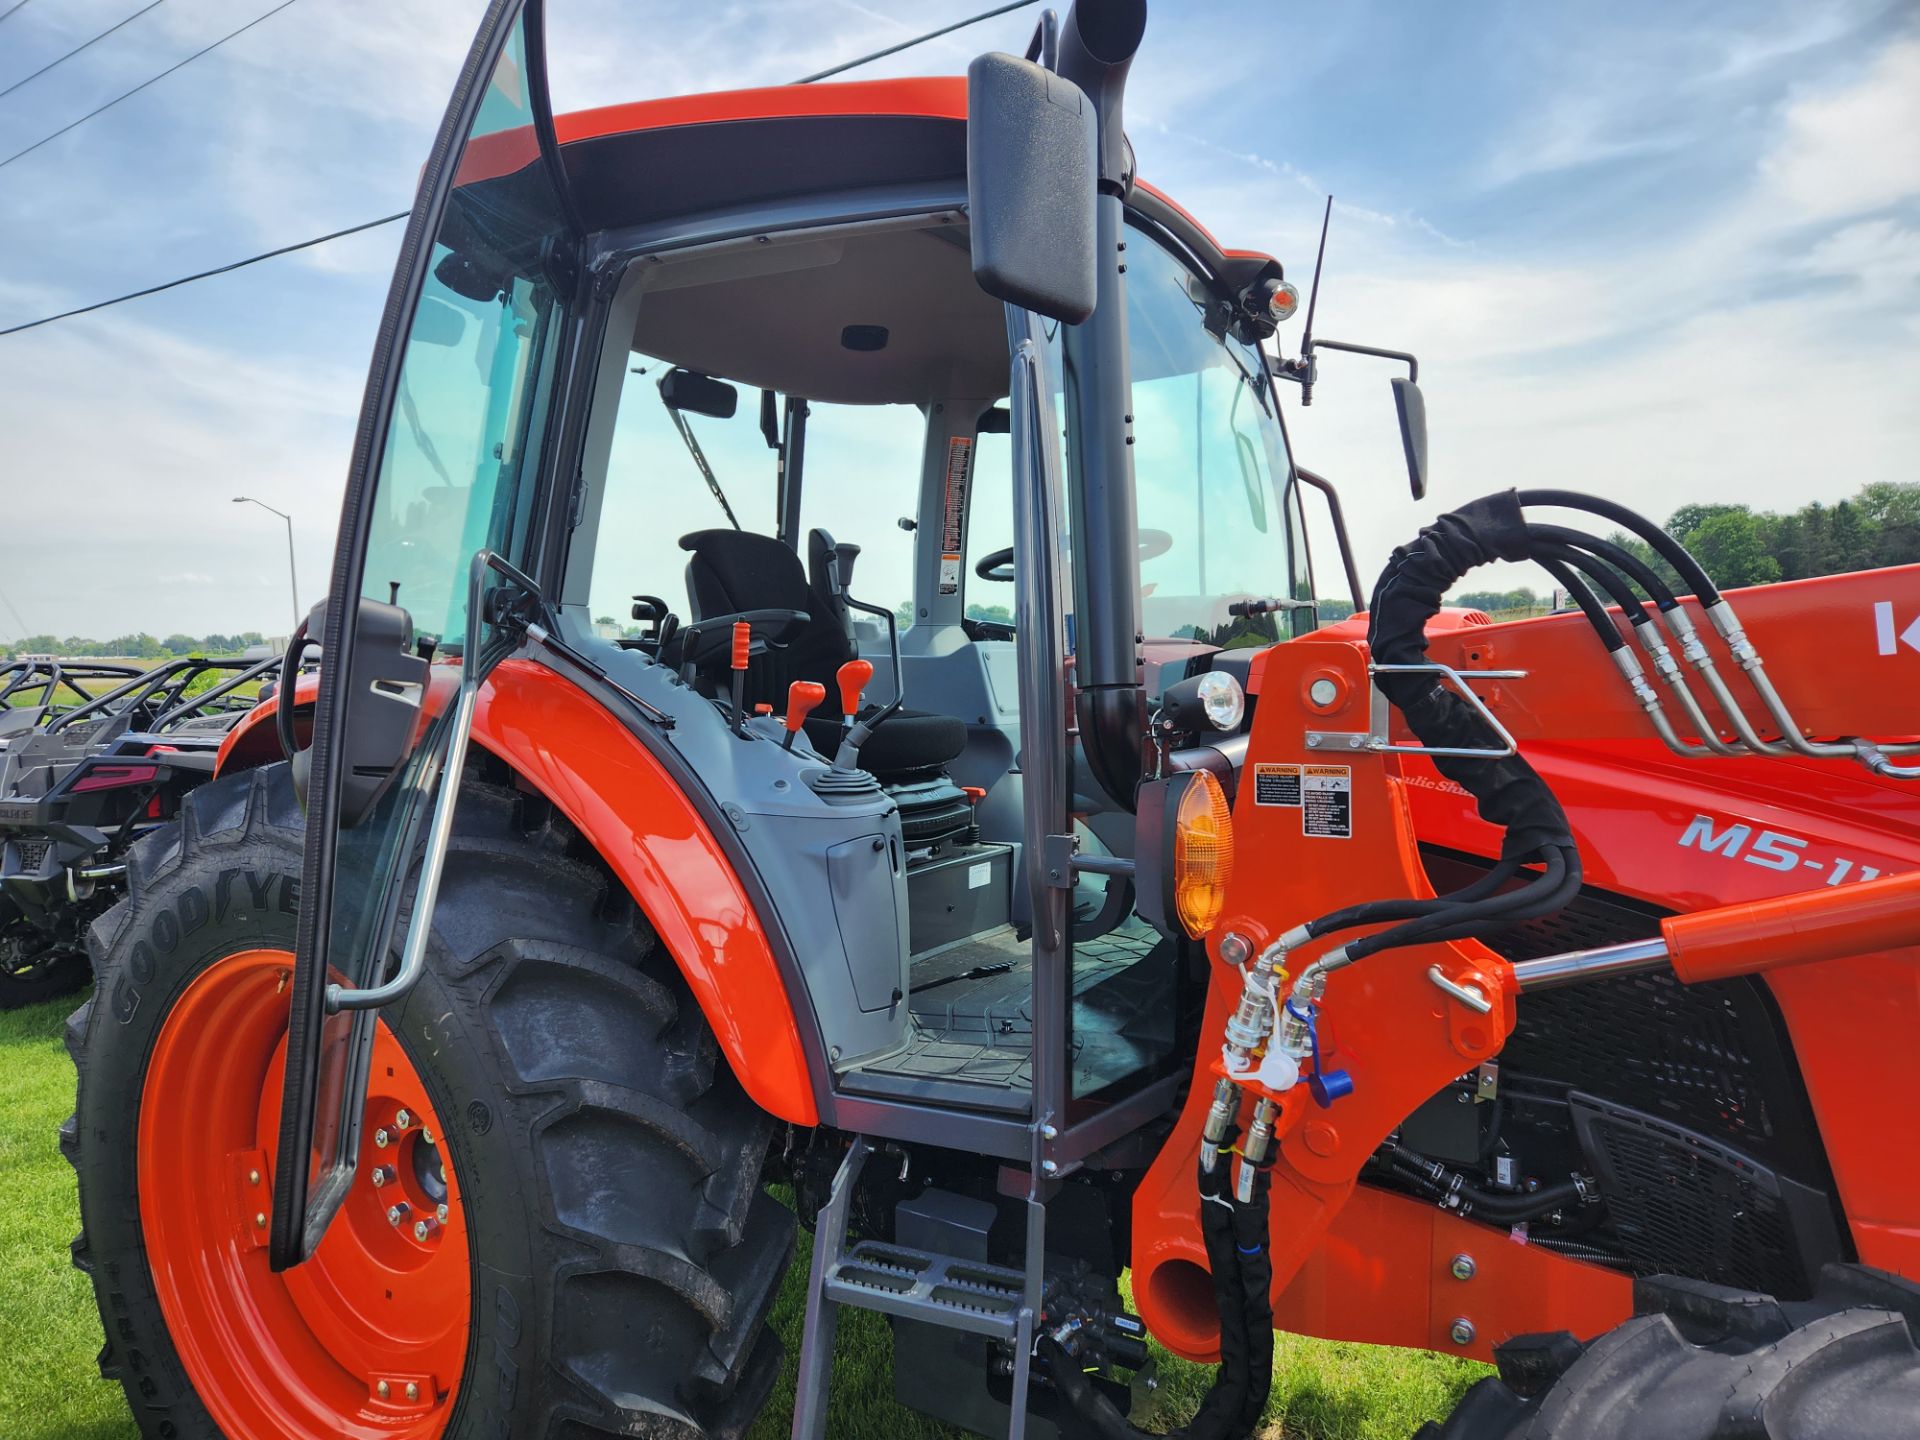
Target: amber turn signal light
{"type": "Point", "coordinates": [1202, 854]}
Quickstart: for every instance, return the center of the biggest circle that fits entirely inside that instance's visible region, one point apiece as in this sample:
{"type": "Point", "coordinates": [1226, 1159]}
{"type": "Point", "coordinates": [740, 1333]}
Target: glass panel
{"type": "Point", "coordinates": [862, 477]}
{"type": "Point", "coordinates": [1216, 523]}
{"type": "Point", "coordinates": [456, 476]}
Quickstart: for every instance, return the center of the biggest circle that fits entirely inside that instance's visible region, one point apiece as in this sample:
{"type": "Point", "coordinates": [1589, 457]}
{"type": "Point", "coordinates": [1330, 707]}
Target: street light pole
{"type": "Point", "coordinates": [293, 578]}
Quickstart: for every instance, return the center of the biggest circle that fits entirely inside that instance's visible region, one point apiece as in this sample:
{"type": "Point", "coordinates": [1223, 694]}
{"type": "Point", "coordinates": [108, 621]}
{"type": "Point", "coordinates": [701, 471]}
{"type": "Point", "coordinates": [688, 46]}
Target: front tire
{"type": "Point", "coordinates": [621, 1254]}
{"type": "Point", "coordinates": [1705, 1362]}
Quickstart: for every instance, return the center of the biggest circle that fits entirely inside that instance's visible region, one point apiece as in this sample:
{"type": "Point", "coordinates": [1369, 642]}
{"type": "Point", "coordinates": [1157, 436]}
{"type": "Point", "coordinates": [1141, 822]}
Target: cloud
{"type": "Point", "coordinates": [1853, 150]}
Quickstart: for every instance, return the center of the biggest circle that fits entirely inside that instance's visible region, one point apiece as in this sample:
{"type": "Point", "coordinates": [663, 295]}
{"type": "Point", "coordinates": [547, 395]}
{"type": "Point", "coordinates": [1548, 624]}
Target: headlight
{"type": "Point", "coordinates": [1223, 701]}
{"type": "Point", "coordinates": [1202, 853]}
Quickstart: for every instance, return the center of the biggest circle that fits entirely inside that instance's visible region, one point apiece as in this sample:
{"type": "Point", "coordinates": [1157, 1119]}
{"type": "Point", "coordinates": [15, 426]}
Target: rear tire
{"type": "Point", "coordinates": [624, 1256]}
{"type": "Point", "coordinates": [1705, 1362]}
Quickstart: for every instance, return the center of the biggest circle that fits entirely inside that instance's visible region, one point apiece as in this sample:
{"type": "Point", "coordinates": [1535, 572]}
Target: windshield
{"type": "Point", "coordinates": [1210, 465]}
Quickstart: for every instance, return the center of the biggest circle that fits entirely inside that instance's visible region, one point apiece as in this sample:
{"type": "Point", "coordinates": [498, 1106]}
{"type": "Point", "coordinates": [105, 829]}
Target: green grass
{"type": "Point", "coordinates": [50, 1332]}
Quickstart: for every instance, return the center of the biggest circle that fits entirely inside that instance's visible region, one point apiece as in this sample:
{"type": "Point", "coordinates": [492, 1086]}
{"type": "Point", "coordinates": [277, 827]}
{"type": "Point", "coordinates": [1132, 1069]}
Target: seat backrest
{"type": "Point", "coordinates": [734, 570]}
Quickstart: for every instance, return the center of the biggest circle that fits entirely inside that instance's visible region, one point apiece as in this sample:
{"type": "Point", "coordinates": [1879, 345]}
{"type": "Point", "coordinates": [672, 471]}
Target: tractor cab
{"type": "Point", "coordinates": [794, 428]}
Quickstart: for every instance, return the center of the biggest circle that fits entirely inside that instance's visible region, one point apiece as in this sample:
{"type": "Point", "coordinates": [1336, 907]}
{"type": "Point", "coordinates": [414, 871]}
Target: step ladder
{"type": "Point", "coordinates": [992, 1300]}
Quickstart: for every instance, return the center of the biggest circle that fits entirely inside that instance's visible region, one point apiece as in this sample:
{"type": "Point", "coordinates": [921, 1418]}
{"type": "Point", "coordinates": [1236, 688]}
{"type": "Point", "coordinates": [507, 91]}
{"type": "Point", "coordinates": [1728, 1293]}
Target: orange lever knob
{"type": "Point", "coordinates": [802, 697]}
{"type": "Point", "coordinates": [852, 678]}
{"type": "Point", "coordinates": [742, 643]}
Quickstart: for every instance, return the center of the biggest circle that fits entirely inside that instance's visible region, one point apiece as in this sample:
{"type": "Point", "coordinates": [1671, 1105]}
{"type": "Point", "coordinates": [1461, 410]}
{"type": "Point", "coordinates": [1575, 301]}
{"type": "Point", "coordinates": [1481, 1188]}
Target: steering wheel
{"type": "Point", "coordinates": [999, 565]}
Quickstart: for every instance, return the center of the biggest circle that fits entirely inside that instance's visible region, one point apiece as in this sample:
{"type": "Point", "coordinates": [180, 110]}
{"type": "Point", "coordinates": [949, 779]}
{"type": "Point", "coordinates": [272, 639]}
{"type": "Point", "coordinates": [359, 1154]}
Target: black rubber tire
{"type": "Point", "coordinates": [1704, 1362]}
{"type": "Point", "coordinates": [625, 1253]}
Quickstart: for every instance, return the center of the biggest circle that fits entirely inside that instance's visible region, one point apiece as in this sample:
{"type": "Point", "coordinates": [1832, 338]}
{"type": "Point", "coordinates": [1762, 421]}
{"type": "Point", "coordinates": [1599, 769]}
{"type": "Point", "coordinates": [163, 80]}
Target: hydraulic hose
{"type": "Point", "coordinates": [1668, 548]}
{"type": "Point", "coordinates": [1378, 912]}
{"type": "Point", "coordinates": [1622, 559]}
{"type": "Point", "coordinates": [1441, 1180]}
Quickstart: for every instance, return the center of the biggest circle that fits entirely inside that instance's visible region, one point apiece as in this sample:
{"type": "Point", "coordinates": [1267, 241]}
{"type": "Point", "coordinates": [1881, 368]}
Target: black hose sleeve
{"type": "Point", "coordinates": [1442, 1180]}
{"type": "Point", "coordinates": [1669, 549]}
{"type": "Point", "coordinates": [1508, 791]}
{"type": "Point", "coordinates": [1251, 1237]}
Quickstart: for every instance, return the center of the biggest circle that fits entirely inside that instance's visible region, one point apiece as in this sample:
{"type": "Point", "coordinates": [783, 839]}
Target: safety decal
{"type": "Point", "coordinates": [1326, 801]}
{"type": "Point", "coordinates": [1276, 784]}
{"type": "Point", "coordinates": [953, 511]}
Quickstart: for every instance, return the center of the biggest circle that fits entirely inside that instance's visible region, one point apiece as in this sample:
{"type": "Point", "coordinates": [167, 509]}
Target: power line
{"type": "Point", "coordinates": [18, 5]}
{"type": "Point", "coordinates": [209, 274]}
{"type": "Point", "coordinates": [78, 48]}
{"type": "Point", "coordinates": [125, 95]}
{"type": "Point", "coordinates": [401, 215]}
{"type": "Point", "coordinates": [917, 40]}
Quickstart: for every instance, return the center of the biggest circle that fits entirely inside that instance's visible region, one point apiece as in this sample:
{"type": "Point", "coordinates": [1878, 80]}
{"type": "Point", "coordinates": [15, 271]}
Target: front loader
{"type": "Point", "coordinates": [1029, 888]}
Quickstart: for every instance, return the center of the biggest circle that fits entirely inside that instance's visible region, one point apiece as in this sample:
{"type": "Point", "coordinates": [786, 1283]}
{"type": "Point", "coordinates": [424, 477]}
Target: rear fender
{"type": "Point", "coordinates": [571, 751]}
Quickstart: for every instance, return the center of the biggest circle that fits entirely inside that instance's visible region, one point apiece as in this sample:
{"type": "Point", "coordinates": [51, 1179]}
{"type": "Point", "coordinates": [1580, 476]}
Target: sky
{"type": "Point", "coordinates": [1668, 252]}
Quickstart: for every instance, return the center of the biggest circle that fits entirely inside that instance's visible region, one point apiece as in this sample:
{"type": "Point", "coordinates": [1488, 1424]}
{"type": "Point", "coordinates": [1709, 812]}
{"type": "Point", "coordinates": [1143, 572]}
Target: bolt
{"type": "Point", "coordinates": [423, 1230]}
{"type": "Point", "coordinates": [413, 1391]}
{"type": "Point", "coordinates": [383, 1390]}
{"type": "Point", "coordinates": [260, 1222]}
{"type": "Point", "coordinates": [1462, 1267]}
{"type": "Point", "coordinates": [1313, 742]}
{"type": "Point", "coordinates": [1462, 1331]}
{"type": "Point", "coordinates": [1323, 692]}
{"type": "Point", "coordinates": [1354, 742]}
{"type": "Point", "coordinates": [440, 1214]}
{"type": "Point", "coordinates": [1049, 1131]}
{"type": "Point", "coordinates": [397, 1213]}
{"type": "Point", "coordinates": [402, 1120]}
{"type": "Point", "coordinates": [1049, 1167]}
{"type": "Point", "coordinates": [381, 1139]}
{"type": "Point", "coordinates": [381, 1175]}
{"type": "Point", "coordinates": [253, 1177]}
{"type": "Point", "coordinates": [426, 1134]}
{"type": "Point", "coordinates": [1153, 1383]}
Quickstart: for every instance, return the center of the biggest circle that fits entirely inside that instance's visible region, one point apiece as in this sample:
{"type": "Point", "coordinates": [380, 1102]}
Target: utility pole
{"type": "Point", "coordinates": [293, 579]}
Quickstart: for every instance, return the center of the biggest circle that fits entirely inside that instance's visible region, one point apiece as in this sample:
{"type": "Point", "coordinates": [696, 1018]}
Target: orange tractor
{"type": "Point", "coordinates": [1540, 992]}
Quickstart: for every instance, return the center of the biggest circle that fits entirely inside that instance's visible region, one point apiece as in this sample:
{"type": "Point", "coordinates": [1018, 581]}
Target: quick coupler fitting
{"type": "Point", "coordinates": [1220, 1117]}
{"type": "Point", "coordinates": [1255, 1149]}
{"type": "Point", "coordinates": [1629, 665]}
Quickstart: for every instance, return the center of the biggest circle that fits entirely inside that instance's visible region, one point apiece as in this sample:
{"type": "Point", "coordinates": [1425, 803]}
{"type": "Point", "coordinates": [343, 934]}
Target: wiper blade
{"type": "Point", "coordinates": [700, 459]}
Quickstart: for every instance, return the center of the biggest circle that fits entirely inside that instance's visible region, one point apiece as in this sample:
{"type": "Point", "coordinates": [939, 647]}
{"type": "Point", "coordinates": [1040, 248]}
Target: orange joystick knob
{"type": "Point", "coordinates": [802, 698]}
{"type": "Point", "coordinates": [742, 643]}
{"type": "Point", "coordinates": [852, 678]}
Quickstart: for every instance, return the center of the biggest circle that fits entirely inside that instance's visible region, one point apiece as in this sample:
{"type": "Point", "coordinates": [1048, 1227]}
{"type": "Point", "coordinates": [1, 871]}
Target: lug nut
{"type": "Point", "coordinates": [402, 1120]}
{"type": "Point", "coordinates": [382, 1175]}
{"type": "Point", "coordinates": [381, 1139]}
{"type": "Point", "coordinates": [426, 1134]}
{"type": "Point", "coordinates": [441, 1213]}
{"type": "Point", "coordinates": [397, 1214]}
{"type": "Point", "coordinates": [1463, 1267]}
{"type": "Point", "coordinates": [1462, 1331]}
{"type": "Point", "coordinates": [423, 1230]}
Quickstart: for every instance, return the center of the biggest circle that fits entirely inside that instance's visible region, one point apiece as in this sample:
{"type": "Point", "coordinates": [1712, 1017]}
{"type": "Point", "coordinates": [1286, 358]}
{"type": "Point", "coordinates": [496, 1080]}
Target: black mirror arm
{"type": "Point", "coordinates": [1304, 371]}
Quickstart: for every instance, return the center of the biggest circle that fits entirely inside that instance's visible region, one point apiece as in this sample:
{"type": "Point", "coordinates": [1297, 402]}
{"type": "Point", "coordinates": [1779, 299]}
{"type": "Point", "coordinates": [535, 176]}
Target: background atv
{"type": "Point", "coordinates": [78, 791]}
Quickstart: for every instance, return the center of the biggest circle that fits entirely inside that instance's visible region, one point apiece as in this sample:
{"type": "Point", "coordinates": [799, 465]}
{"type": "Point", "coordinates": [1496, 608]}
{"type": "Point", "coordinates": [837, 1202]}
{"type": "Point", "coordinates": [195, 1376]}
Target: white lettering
{"type": "Point", "coordinates": [1727, 842]}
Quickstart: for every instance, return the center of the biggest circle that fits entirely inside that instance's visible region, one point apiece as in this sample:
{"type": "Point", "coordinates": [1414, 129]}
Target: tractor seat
{"type": "Point", "coordinates": [735, 570]}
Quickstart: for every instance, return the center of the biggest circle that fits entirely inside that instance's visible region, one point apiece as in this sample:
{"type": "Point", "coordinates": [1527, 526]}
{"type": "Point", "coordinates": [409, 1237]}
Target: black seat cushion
{"type": "Point", "coordinates": [910, 740]}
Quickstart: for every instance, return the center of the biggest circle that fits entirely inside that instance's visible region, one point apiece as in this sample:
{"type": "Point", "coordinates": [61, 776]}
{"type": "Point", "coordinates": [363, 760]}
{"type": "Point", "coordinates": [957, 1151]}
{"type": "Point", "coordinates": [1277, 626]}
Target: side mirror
{"type": "Point", "coordinates": [438, 323]}
{"type": "Point", "coordinates": [1031, 140]}
{"type": "Point", "coordinates": [702, 394]}
{"type": "Point", "coordinates": [1412, 406]}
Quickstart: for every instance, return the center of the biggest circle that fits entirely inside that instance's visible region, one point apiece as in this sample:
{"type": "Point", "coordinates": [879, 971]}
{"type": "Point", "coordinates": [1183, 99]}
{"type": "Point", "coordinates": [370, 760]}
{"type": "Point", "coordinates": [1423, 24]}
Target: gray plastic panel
{"type": "Point", "coordinates": [868, 886]}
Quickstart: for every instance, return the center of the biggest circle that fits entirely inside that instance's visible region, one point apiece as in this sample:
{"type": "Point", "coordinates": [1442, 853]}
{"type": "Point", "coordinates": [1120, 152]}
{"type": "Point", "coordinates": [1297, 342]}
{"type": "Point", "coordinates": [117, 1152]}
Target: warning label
{"type": "Point", "coordinates": [953, 510]}
{"type": "Point", "coordinates": [1326, 801]}
{"type": "Point", "coordinates": [1276, 784]}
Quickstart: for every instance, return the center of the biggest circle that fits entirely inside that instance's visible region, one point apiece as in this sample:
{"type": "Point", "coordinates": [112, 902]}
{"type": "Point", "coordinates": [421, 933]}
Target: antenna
{"type": "Point", "coordinates": [1313, 301]}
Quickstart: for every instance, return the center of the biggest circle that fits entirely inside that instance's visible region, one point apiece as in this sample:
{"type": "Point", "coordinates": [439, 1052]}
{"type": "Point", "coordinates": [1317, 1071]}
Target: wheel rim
{"type": "Point", "coordinates": [368, 1339]}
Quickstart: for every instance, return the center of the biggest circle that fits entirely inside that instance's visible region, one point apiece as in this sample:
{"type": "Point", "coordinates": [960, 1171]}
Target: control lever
{"type": "Point", "coordinates": [802, 697]}
{"type": "Point", "coordinates": [852, 679]}
{"type": "Point", "coordinates": [742, 648]}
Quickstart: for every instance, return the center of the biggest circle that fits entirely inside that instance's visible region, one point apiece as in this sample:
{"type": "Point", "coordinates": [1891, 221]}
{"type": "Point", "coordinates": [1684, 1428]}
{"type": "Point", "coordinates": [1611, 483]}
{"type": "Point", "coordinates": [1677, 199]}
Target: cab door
{"type": "Point", "coordinates": [442, 500]}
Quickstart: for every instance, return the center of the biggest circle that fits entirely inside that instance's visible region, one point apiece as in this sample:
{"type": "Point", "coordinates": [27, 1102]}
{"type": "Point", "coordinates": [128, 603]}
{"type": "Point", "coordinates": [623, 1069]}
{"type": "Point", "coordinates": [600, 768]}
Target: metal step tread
{"type": "Point", "coordinates": [939, 1289]}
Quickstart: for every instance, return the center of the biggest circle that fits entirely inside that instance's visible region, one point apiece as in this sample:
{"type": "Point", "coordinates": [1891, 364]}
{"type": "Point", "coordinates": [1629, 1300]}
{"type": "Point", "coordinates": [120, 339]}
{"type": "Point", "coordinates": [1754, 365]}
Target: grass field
{"type": "Point", "coordinates": [49, 1331]}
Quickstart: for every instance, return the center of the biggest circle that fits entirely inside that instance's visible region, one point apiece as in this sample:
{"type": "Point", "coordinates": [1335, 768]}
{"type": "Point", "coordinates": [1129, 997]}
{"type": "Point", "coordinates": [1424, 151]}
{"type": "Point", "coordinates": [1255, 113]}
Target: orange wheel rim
{"type": "Point", "coordinates": [368, 1339]}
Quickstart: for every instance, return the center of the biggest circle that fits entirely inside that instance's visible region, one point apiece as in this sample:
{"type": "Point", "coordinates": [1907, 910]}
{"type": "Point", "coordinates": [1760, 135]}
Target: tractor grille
{"type": "Point", "coordinates": [1679, 1203]}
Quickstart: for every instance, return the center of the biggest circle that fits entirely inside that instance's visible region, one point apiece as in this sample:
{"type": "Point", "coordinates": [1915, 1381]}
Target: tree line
{"type": "Point", "coordinates": [136, 647]}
